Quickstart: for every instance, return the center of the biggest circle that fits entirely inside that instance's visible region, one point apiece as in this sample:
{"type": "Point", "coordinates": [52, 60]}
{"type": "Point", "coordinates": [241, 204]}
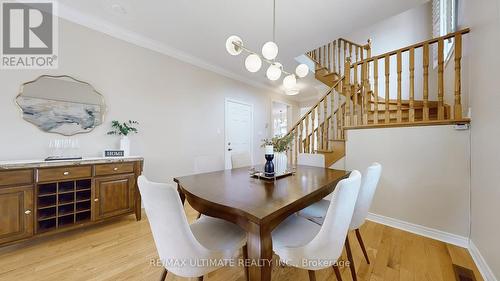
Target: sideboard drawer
{"type": "Point", "coordinates": [16, 177]}
{"type": "Point", "coordinates": [114, 169]}
{"type": "Point", "coordinates": [57, 174]}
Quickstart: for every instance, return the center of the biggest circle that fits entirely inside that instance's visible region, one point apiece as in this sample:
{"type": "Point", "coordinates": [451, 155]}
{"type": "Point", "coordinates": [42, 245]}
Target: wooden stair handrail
{"type": "Point", "coordinates": [415, 46]}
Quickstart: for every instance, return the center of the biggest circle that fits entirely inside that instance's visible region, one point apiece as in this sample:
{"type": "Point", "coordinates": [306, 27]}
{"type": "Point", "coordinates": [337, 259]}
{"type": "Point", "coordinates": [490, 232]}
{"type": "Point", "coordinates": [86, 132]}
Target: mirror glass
{"type": "Point", "coordinates": [61, 104]}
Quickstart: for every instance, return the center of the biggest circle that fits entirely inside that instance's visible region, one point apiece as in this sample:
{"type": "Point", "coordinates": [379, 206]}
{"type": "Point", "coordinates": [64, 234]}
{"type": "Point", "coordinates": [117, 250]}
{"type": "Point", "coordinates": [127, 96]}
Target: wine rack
{"type": "Point", "coordinates": [62, 204]}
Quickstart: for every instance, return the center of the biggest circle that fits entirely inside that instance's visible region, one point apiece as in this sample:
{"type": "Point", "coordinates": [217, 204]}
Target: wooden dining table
{"type": "Point", "coordinates": [257, 205]}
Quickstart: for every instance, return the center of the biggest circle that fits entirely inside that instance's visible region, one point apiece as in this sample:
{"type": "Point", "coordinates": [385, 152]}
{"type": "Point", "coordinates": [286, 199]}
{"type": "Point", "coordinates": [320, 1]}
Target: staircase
{"type": "Point", "coordinates": [353, 100]}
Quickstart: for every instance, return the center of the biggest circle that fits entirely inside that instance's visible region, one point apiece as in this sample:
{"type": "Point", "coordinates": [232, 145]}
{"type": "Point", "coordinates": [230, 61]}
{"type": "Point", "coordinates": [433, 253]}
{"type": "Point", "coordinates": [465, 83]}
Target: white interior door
{"type": "Point", "coordinates": [238, 129]}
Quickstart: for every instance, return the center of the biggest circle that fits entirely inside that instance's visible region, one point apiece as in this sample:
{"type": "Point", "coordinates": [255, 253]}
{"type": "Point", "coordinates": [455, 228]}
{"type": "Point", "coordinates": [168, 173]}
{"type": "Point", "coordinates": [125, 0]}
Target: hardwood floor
{"type": "Point", "coordinates": [123, 249]}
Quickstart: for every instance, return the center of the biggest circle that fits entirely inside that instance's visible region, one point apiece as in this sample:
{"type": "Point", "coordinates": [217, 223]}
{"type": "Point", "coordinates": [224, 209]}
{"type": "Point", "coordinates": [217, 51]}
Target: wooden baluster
{"type": "Point", "coordinates": [306, 131]}
{"type": "Point", "coordinates": [296, 137]}
{"type": "Point", "coordinates": [356, 48]}
{"type": "Point", "coordinates": [350, 50]}
{"type": "Point", "coordinates": [366, 93]}
{"type": "Point", "coordinates": [375, 91]}
{"type": "Point", "coordinates": [387, 77]}
{"type": "Point", "coordinates": [340, 112]}
{"type": "Point", "coordinates": [329, 58]}
{"type": "Point", "coordinates": [320, 128]}
{"type": "Point", "coordinates": [334, 46]}
{"type": "Point", "coordinates": [339, 57]}
{"type": "Point", "coordinates": [457, 108]}
{"type": "Point", "coordinates": [355, 95]}
{"type": "Point", "coordinates": [332, 121]}
{"type": "Point", "coordinates": [411, 114]}
{"type": "Point", "coordinates": [345, 55]}
{"type": "Point", "coordinates": [347, 91]}
{"type": "Point", "coordinates": [441, 79]}
{"type": "Point", "coordinates": [313, 138]}
{"type": "Point", "coordinates": [319, 57]}
{"type": "Point", "coordinates": [400, 70]}
{"type": "Point", "coordinates": [426, 82]}
{"type": "Point", "coordinates": [325, 124]}
{"type": "Point", "coordinates": [324, 56]}
{"type": "Point", "coordinates": [301, 130]}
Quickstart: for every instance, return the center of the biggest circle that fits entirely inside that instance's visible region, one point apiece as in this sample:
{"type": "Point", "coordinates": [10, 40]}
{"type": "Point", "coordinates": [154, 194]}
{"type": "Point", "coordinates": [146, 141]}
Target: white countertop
{"type": "Point", "coordinates": [40, 163]}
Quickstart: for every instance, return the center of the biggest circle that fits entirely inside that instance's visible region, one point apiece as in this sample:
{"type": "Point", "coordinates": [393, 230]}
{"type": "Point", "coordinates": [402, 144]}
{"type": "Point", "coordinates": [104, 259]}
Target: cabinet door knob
{"type": "Point", "coordinates": [115, 169]}
{"type": "Point", "coordinates": [27, 212]}
{"type": "Point", "coordinates": [96, 200]}
{"type": "Point", "coordinates": [66, 173]}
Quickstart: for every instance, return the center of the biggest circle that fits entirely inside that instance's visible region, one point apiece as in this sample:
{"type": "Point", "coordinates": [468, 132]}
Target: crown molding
{"type": "Point", "coordinates": [72, 15]}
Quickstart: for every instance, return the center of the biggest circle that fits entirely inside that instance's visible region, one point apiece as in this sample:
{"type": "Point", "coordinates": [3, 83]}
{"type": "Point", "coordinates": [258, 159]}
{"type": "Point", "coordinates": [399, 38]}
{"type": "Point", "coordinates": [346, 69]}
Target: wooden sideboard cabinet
{"type": "Point", "coordinates": [39, 198]}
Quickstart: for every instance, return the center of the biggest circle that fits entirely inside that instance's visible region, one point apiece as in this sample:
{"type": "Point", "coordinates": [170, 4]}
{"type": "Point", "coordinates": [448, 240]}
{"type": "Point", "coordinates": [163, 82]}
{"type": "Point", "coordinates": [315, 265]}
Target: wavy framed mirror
{"type": "Point", "coordinates": [61, 105]}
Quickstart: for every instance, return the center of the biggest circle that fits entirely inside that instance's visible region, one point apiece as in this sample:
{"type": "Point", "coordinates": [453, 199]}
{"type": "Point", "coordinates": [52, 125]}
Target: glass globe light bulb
{"type": "Point", "coordinates": [290, 81]}
{"type": "Point", "coordinates": [231, 48]}
{"type": "Point", "coordinates": [270, 50]}
{"type": "Point", "coordinates": [253, 63]}
{"type": "Point", "coordinates": [273, 73]}
{"type": "Point", "coordinates": [302, 70]}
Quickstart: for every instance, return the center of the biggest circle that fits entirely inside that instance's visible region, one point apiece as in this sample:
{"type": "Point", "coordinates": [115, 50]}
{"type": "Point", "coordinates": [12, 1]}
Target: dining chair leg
{"type": "Point", "coordinates": [164, 275]}
{"type": "Point", "coordinates": [199, 216]}
{"type": "Point", "coordinates": [360, 240]}
{"type": "Point", "coordinates": [351, 260]}
{"type": "Point", "coordinates": [200, 278]}
{"type": "Point", "coordinates": [312, 275]}
{"type": "Point", "coordinates": [337, 273]}
{"type": "Point", "coordinates": [245, 258]}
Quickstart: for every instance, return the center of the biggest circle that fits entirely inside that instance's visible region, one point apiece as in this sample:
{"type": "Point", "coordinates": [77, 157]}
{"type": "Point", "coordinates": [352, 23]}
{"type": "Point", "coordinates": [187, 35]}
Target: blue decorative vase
{"type": "Point", "coordinates": [269, 166]}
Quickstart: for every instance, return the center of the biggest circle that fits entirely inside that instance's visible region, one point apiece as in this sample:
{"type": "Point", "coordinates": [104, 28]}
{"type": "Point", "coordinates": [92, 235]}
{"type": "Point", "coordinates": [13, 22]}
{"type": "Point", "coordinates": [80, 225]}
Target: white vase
{"type": "Point", "coordinates": [125, 145]}
{"type": "Point", "coordinates": [280, 162]}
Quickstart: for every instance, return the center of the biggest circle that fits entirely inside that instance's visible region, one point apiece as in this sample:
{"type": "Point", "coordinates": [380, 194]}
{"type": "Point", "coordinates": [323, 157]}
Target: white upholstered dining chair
{"type": "Point", "coordinates": [179, 243]}
{"type": "Point", "coordinates": [317, 211]}
{"type": "Point", "coordinates": [242, 159]}
{"type": "Point", "coordinates": [315, 160]}
{"type": "Point", "coordinates": [297, 239]}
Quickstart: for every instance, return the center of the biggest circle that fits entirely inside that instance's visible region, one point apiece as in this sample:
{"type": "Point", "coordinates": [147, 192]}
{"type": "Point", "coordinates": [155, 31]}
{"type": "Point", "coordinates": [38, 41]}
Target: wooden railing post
{"type": "Point", "coordinates": [457, 108]}
{"type": "Point", "coordinates": [301, 137]}
{"type": "Point", "coordinates": [355, 95]}
{"type": "Point", "coordinates": [313, 138]}
{"type": "Point", "coordinates": [441, 79]}
{"type": "Point", "coordinates": [332, 121]}
{"type": "Point", "coordinates": [387, 77]}
{"type": "Point", "coordinates": [375, 90]}
{"type": "Point", "coordinates": [338, 57]}
{"type": "Point", "coordinates": [426, 82]}
{"type": "Point", "coordinates": [411, 114]}
{"type": "Point", "coordinates": [347, 91]}
{"type": "Point", "coordinates": [399, 70]}
{"type": "Point", "coordinates": [297, 142]}
{"type": "Point", "coordinates": [365, 91]}
{"type": "Point", "coordinates": [325, 124]}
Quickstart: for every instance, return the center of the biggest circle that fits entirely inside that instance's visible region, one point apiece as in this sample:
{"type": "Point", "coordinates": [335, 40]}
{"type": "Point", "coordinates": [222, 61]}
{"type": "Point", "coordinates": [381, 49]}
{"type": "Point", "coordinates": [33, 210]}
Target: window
{"type": "Point", "coordinates": [444, 21]}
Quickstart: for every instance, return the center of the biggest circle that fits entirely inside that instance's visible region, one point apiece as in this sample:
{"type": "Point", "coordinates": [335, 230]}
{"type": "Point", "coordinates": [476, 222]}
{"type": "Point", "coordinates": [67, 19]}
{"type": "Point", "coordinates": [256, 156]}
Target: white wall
{"type": "Point", "coordinates": [425, 177]}
{"type": "Point", "coordinates": [483, 17]}
{"type": "Point", "coordinates": [180, 107]}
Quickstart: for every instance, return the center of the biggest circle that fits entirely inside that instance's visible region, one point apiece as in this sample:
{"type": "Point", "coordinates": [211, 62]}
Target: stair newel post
{"type": "Point", "coordinates": [457, 108]}
{"type": "Point", "coordinates": [375, 89]}
{"type": "Point", "coordinates": [411, 114]}
{"type": "Point", "coordinates": [399, 73]}
{"type": "Point", "coordinates": [426, 82]}
{"type": "Point", "coordinates": [387, 65]}
{"type": "Point", "coordinates": [347, 91]}
{"type": "Point", "coordinates": [441, 79]}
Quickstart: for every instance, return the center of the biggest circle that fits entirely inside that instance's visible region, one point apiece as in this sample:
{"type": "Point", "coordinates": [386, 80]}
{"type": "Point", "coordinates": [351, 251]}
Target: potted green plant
{"type": "Point", "coordinates": [124, 130]}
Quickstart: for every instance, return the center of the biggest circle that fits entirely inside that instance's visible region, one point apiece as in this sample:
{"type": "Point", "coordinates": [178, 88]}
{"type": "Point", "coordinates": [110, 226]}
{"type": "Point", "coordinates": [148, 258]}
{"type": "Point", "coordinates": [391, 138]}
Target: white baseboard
{"type": "Point", "coordinates": [439, 235]}
{"type": "Point", "coordinates": [481, 264]}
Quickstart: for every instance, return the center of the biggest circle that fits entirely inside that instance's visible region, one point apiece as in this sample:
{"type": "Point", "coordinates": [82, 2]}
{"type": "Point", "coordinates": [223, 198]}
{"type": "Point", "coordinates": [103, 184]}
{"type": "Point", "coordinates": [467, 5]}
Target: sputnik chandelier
{"type": "Point", "coordinates": [253, 62]}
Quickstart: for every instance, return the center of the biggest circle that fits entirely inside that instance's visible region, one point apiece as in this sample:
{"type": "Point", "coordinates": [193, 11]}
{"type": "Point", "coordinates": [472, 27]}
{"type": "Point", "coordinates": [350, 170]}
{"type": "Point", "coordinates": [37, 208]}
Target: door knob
{"type": "Point", "coordinates": [66, 173]}
{"type": "Point", "coordinates": [27, 212]}
{"type": "Point", "coordinates": [229, 149]}
{"type": "Point", "coordinates": [115, 169]}
{"type": "Point", "coordinates": [96, 200]}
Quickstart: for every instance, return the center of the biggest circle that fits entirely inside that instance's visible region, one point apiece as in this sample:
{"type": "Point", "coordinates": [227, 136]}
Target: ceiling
{"type": "Point", "coordinates": [196, 30]}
